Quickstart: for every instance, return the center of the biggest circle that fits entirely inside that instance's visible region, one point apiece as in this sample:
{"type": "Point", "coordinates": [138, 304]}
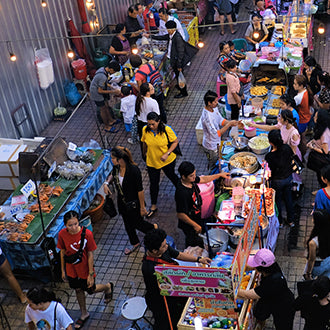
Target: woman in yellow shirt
{"type": "Point", "coordinates": [156, 137]}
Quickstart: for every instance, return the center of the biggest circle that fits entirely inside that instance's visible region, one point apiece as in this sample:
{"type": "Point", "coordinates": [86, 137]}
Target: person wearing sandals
{"type": "Point", "coordinates": [45, 312]}
{"type": "Point", "coordinates": [127, 179]}
{"type": "Point", "coordinates": [77, 263]}
{"type": "Point", "coordinates": [159, 141]}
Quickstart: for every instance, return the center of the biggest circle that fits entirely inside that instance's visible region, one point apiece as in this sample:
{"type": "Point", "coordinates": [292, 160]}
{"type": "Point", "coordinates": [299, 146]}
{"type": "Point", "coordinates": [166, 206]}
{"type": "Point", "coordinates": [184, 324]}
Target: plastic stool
{"type": "Point", "coordinates": [134, 309]}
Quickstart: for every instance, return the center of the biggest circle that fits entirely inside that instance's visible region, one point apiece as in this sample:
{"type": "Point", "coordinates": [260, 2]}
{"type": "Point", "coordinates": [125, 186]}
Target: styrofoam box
{"type": "Point", "coordinates": [9, 183]}
{"type": "Point", "coordinates": [199, 132]}
{"type": "Point", "coordinates": [9, 159]}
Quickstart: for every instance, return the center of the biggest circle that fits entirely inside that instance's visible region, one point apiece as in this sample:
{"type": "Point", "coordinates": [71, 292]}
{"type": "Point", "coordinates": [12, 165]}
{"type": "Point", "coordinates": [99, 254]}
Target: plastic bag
{"type": "Point", "coordinates": [92, 144]}
{"type": "Point", "coordinates": [181, 80]}
{"type": "Point", "coordinates": [44, 65]}
{"type": "Point", "coordinates": [71, 92]}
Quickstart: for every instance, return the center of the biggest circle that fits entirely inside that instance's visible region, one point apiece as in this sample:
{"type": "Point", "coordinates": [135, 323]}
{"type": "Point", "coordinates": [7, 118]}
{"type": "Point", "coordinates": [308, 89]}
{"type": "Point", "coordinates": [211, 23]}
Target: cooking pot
{"type": "Point", "coordinates": [242, 155]}
{"type": "Point", "coordinates": [218, 240]}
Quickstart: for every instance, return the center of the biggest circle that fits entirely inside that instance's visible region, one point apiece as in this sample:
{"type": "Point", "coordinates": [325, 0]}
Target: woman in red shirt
{"type": "Point", "coordinates": [80, 275]}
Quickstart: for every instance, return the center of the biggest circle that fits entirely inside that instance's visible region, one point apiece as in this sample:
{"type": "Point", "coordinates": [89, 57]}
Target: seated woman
{"type": "Point", "coordinates": [120, 45]}
{"type": "Point", "coordinates": [273, 295]}
{"type": "Point", "coordinates": [318, 246]}
{"type": "Point", "coordinates": [320, 144]}
{"type": "Point", "coordinates": [45, 312]}
{"type": "Point", "coordinates": [256, 32]}
{"type": "Point", "coordinates": [279, 160]}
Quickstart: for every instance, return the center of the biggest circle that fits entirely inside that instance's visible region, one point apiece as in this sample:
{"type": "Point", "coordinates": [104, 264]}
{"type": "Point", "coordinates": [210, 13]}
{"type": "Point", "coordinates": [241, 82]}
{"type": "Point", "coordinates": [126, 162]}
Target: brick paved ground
{"type": "Point", "coordinates": [125, 271]}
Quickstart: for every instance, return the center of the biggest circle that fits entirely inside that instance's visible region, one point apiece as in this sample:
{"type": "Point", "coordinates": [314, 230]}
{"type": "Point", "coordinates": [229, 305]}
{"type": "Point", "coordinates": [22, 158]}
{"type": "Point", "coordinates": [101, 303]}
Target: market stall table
{"type": "Point", "coordinates": [31, 255]}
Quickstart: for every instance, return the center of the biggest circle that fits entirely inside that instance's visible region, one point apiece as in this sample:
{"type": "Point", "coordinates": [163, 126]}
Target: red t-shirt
{"type": "Point", "coordinates": [71, 243]}
{"type": "Point", "coordinates": [144, 68]}
{"type": "Point", "coordinates": [149, 15]}
{"type": "Point", "coordinates": [303, 107]}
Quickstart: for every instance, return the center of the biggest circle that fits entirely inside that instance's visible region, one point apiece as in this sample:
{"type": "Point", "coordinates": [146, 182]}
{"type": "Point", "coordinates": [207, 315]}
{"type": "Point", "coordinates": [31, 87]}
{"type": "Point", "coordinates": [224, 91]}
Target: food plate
{"type": "Point", "coordinates": [258, 91]}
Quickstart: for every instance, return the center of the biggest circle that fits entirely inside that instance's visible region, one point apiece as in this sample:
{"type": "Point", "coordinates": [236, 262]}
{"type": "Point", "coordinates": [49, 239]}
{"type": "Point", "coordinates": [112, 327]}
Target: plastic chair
{"type": "Point", "coordinates": [240, 44]}
{"type": "Point", "coordinates": [134, 309]}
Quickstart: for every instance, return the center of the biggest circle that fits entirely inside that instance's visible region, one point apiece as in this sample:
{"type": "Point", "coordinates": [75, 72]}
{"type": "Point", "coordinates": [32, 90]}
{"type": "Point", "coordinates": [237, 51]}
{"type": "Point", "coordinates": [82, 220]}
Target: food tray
{"type": "Point", "coordinates": [276, 90]}
{"type": "Point", "coordinates": [270, 101]}
{"type": "Point", "coordinates": [258, 94]}
{"type": "Point", "coordinates": [251, 169]}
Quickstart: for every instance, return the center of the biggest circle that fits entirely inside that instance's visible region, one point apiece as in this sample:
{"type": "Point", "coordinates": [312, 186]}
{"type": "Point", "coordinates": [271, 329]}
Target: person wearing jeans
{"type": "Point", "coordinates": [159, 142]}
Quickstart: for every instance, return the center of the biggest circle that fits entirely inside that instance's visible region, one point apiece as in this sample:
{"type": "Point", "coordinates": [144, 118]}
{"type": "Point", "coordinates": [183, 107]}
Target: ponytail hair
{"type": "Point", "coordinates": [302, 81]}
{"type": "Point", "coordinates": [144, 89]}
{"type": "Point", "coordinates": [120, 152]}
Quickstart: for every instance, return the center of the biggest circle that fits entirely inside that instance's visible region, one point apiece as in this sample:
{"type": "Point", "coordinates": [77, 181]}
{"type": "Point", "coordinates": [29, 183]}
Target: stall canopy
{"type": "Point", "coordinates": [80, 47]}
{"type": "Point", "coordinates": [82, 11]}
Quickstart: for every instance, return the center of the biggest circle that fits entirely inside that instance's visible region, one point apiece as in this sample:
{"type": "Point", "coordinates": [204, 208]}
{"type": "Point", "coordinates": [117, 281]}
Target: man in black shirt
{"type": "Point", "coordinates": [189, 202]}
{"type": "Point", "coordinates": [133, 28]}
{"type": "Point", "coordinates": [159, 253]}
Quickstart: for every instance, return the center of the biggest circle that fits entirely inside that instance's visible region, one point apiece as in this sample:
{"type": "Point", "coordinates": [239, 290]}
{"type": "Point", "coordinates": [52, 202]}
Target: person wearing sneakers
{"type": "Point", "coordinates": [77, 263]}
{"type": "Point", "coordinates": [6, 272]}
{"type": "Point", "coordinates": [273, 295]}
{"type": "Point", "coordinates": [127, 179]}
{"type": "Point", "coordinates": [127, 108]}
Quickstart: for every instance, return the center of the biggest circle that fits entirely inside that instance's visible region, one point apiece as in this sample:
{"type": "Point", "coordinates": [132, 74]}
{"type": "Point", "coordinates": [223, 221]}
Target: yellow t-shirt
{"type": "Point", "coordinates": [157, 147]}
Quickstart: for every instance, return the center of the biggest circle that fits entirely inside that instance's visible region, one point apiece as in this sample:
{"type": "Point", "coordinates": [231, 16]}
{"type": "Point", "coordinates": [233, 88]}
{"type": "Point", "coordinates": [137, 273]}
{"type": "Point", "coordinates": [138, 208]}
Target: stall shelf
{"type": "Point", "coordinates": [31, 255]}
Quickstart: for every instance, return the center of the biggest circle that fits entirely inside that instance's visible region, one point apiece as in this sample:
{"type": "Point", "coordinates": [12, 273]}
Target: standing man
{"type": "Point", "coordinates": [100, 92]}
{"type": "Point", "coordinates": [165, 17]}
{"type": "Point", "coordinates": [133, 28]}
{"type": "Point", "coordinates": [158, 253]}
{"type": "Point", "coordinates": [138, 7]}
{"type": "Point", "coordinates": [189, 202]}
{"type": "Point", "coordinates": [214, 125]}
{"type": "Point", "coordinates": [179, 52]}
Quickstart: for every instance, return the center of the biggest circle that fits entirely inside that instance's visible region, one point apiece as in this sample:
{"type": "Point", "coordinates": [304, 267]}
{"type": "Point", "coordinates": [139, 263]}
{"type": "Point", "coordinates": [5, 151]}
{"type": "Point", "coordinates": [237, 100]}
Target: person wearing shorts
{"type": "Point", "coordinates": [224, 8]}
{"type": "Point", "coordinates": [80, 275]}
{"type": "Point", "coordinates": [6, 272]}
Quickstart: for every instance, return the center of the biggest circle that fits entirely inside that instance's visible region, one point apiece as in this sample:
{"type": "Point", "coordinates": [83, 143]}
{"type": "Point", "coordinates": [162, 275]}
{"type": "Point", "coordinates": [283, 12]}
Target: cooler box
{"type": "Point", "coordinates": [207, 195]}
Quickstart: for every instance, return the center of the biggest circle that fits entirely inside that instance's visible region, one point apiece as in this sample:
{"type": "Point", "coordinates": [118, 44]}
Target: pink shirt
{"type": "Point", "coordinates": [325, 138]}
{"type": "Point", "coordinates": [287, 137]}
{"type": "Point", "coordinates": [233, 86]}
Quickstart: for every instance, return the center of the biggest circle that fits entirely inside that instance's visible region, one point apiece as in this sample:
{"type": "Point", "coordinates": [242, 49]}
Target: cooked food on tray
{"type": "Point", "coordinates": [243, 161]}
{"type": "Point", "coordinates": [265, 79]}
{"type": "Point", "coordinates": [273, 112]}
{"type": "Point", "coordinates": [276, 103]}
{"type": "Point", "coordinates": [258, 90]}
{"type": "Point", "coordinates": [279, 90]}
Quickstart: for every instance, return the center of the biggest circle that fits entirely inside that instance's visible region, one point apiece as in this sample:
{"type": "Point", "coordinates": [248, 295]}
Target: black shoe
{"type": "Point", "coordinates": [180, 96]}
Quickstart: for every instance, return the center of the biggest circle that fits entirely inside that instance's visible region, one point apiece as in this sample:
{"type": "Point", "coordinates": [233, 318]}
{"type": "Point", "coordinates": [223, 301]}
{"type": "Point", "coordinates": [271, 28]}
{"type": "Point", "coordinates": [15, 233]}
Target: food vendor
{"type": "Point", "coordinates": [120, 46]}
{"type": "Point", "coordinates": [158, 253]}
{"type": "Point", "coordinates": [256, 32]}
{"type": "Point", "coordinates": [274, 296]}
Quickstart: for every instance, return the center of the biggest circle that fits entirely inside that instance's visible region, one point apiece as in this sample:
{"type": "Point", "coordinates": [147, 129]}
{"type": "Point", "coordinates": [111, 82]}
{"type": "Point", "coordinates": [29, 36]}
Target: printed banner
{"type": "Point", "coordinates": [213, 307]}
{"type": "Point", "coordinates": [210, 283]}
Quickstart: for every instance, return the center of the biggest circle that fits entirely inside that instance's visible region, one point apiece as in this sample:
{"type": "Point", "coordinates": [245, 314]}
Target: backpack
{"type": "Point", "coordinates": [154, 78]}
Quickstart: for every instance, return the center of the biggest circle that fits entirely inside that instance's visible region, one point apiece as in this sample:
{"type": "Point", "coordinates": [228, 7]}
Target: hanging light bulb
{"type": "Point", "coordinates": [13, 57]}
{"type": "Point", "coordinates": [70, 54]}
{"type": "Point", "coordinates": [256, 34]}
{"type": "Point", "coordinates": [135, 50]}
{"type": "Point", "coordinates": [43, 4]}
{"type": "Point", "coordinates": [321, 29]}
{"type": "Point", "coordinates": [200, 44]}
{"type": "Point", "coordinates": [89, 1]}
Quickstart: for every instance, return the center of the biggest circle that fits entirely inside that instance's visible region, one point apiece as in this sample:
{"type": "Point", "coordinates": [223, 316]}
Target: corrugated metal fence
{"type": "Point", "coordinates": [28, 20]}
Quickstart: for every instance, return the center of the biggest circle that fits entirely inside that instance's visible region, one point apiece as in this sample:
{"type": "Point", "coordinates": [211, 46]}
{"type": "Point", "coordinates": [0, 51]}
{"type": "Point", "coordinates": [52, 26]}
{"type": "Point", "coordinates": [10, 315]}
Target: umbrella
{"type": "Point", "coordinates": [82, 11]}
{"type": "Point", "coordinates": [80, 47]}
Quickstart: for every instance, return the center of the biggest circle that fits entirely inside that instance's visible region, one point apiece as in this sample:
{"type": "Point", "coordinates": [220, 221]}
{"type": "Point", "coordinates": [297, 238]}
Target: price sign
{"type": "Point", "coordinates": [28, 188]}
{"type": "Point", "coordinates": [52, 169]}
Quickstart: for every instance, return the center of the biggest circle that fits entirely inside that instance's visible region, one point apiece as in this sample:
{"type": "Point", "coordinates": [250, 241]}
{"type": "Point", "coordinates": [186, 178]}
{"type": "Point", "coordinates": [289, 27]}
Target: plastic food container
{"type": "Point", "coordinates": [257, 102]}
{"type": "Point", "coordinates": [250, 131]}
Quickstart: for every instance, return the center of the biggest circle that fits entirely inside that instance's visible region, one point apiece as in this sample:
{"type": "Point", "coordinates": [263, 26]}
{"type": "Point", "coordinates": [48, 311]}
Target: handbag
{"type": "Point", "coordinates": [109, 207]}
{"type": "Point", "coordinates": [76, 258]}
{"type": "Point", "coordinates": [297, 165]}
{"type": "Point", "coordinates": [177, 149]}
{"type": "Point", "coordinates": [317, 160]}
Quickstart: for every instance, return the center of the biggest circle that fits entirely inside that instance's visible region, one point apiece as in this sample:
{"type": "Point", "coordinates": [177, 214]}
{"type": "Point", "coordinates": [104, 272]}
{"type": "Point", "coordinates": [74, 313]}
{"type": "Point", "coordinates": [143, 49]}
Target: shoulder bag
{"type": "Point", "coordinates": [317, 160]}
{"type": "Point", "coordinates": [296, 164]}
{"type": "Point", "coordinates": [109, 207]}
{"type": "Point", "coordinates": [177, 149]}
{"type": "Point", "coordinates": [76, 258]}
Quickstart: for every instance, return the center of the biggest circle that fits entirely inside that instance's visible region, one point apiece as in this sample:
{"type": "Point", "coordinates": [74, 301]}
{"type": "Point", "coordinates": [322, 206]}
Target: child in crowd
{"type": "Point", "coordinates": [235, 54]}
{"type": "Point", "coordinates": [127, 107]}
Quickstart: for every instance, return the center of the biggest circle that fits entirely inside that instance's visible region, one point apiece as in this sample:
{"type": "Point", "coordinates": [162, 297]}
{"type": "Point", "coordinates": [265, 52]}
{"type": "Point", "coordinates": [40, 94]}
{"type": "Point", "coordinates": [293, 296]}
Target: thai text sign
{"type": "Point", "coordinates": [210, 283]}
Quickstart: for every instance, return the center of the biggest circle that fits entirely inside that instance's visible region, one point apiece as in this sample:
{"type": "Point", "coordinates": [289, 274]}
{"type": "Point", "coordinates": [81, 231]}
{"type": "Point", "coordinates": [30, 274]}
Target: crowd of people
{"type": "Point", "coordinates": [304, 111]}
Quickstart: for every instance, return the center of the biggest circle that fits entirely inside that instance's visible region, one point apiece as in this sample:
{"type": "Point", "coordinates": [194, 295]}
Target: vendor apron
{"type": "Point", "coordinates": [261, 34]}
{"type": "Point", "coordinates": [126, 48]}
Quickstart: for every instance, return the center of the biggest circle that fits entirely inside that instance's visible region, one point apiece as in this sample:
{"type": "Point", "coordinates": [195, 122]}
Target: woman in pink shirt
{"type": "Point", "coordinates": [233, 88]}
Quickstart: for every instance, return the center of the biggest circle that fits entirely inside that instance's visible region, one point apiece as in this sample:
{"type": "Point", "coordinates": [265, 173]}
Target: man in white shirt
{"type": "Point", "coordinates": [165, 17]}
{"type": "Point", "coordinates": [214, 125]}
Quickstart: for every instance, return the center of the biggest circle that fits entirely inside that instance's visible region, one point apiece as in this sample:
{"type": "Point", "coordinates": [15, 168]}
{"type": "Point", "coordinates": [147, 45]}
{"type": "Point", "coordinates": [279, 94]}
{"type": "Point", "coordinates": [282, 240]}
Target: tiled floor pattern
{"type": "Point", "coordinates": [125, 271]}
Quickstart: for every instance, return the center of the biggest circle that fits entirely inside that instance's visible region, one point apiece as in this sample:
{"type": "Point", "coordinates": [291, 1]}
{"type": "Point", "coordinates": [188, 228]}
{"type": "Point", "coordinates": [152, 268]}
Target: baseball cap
{"type": "Point", "coordinates": [263, 258]}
